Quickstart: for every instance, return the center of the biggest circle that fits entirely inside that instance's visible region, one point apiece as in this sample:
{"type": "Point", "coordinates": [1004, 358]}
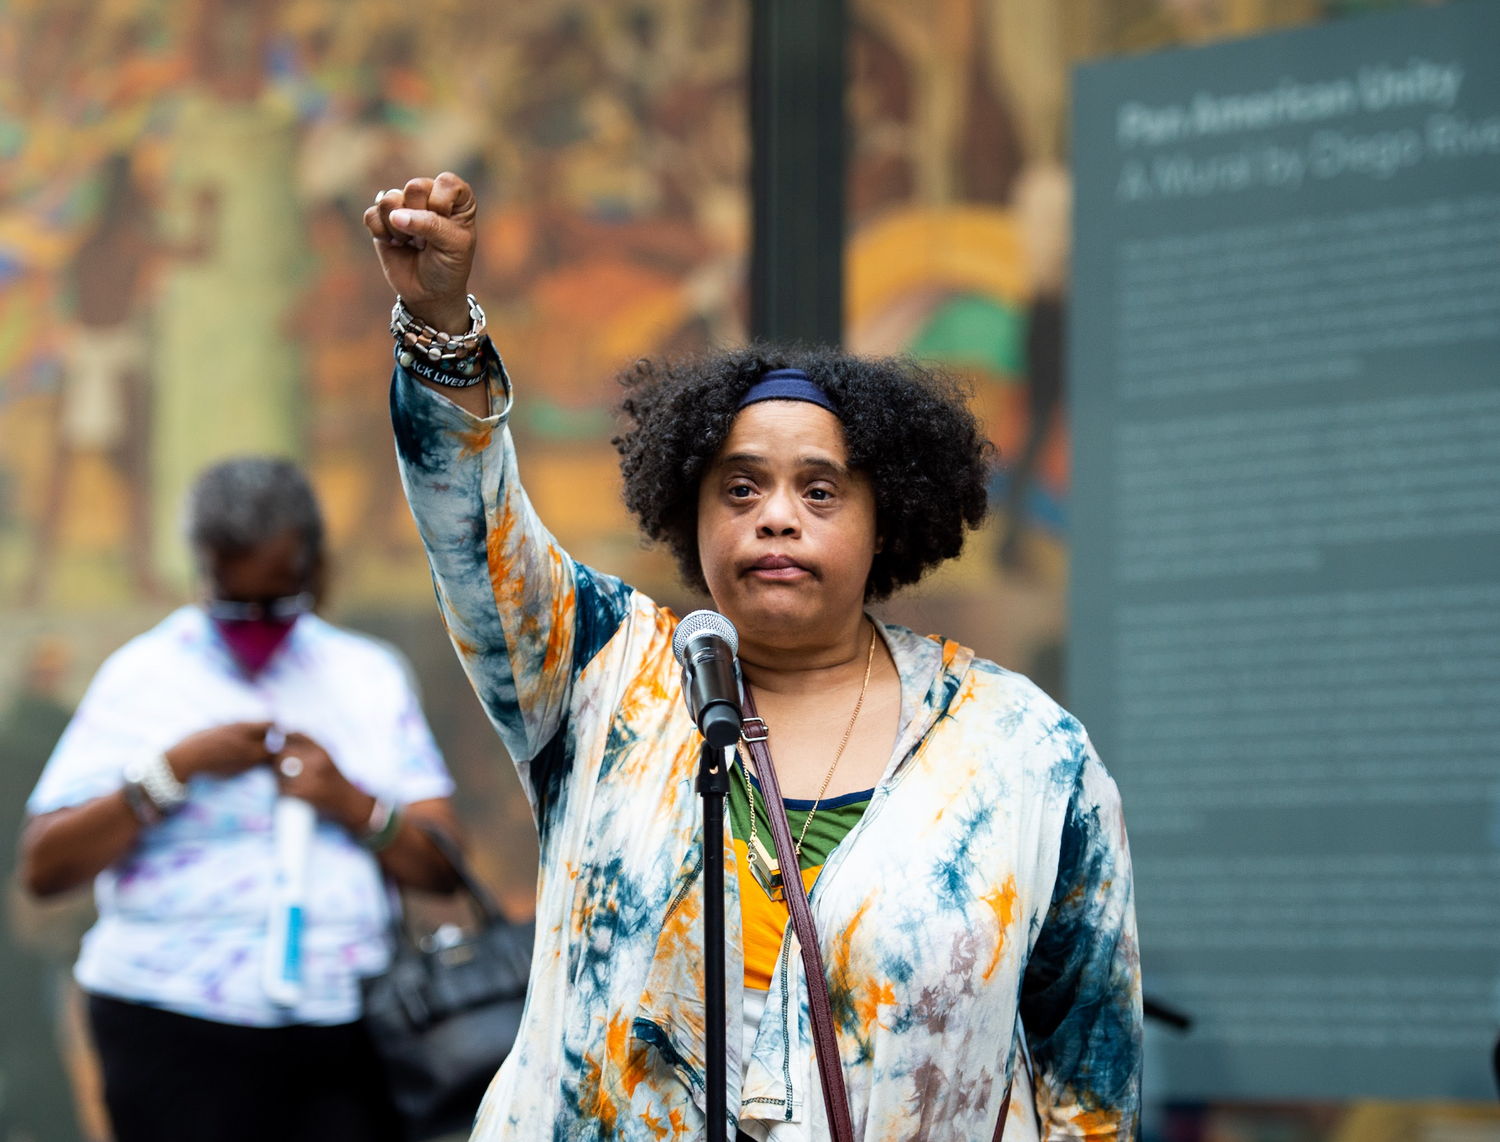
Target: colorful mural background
{"type": "Point", "coordinates": [183, 276]}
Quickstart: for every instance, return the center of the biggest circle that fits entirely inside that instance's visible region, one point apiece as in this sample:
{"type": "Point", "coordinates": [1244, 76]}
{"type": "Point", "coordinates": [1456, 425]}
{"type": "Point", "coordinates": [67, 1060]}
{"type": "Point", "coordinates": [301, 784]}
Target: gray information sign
{"type": "Point", "coordinates": [1285, 360]}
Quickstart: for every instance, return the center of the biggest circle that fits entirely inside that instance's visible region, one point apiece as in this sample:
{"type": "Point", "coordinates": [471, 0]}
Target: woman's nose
{"type": "Point", "coordinates": [779, 515]}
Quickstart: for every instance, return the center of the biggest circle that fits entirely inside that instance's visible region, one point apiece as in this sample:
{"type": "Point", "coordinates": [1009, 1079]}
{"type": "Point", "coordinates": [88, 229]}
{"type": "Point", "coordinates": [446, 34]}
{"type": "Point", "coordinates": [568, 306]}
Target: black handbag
{"type": "Point", "coordinates": [445, 1014]}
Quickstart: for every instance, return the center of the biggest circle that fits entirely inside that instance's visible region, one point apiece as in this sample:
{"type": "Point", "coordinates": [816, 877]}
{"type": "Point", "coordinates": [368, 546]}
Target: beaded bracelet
{"type": "Point", "coordinates": [457, 355]}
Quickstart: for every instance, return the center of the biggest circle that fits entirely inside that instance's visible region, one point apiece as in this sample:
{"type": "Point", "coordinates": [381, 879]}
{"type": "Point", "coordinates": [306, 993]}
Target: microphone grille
{"type": "Point", "coordinates": [697, 623]}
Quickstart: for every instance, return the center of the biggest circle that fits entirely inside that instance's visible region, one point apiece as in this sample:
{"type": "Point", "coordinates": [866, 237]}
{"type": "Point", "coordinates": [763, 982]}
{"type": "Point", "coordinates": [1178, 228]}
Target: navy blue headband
{"type": "Point", "coordinates": [787, 384]}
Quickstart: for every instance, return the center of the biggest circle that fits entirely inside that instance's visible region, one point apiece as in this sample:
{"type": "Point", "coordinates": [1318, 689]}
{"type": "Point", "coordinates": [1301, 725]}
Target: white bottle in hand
{"type": "Point", "coordinates": [292, 824]}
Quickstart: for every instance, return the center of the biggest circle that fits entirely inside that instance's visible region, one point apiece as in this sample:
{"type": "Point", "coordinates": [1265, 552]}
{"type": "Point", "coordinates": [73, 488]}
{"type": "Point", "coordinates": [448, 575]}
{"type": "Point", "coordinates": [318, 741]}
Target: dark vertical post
{"type": "Point", "coordinates": [797, 54]}
{"type": "Point", "coordinates": [713, 787]}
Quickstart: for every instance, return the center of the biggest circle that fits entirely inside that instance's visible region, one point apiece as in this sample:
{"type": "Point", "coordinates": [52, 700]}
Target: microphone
{"type": "Point", "coordinates": [705, 645]}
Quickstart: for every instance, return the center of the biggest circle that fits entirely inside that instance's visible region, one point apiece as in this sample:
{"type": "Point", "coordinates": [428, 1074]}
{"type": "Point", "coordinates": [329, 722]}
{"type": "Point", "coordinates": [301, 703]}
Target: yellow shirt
{"type": "Point", "coordinates": [763, 909]}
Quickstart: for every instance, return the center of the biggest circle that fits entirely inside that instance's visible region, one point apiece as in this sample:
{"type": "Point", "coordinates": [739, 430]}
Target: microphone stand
{"type": "Point", "coordinates": [713, 787]}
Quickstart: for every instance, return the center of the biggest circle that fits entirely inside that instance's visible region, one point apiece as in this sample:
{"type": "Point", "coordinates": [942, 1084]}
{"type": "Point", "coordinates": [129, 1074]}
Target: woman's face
{"type": "Point", "coordinates": [271, 570]}
{"type": "Point", "coordinates": [786, 531]}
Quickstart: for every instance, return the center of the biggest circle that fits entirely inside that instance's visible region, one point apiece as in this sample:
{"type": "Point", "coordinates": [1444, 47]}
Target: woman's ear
{"type": "Point", "coordinates": [879, 543]}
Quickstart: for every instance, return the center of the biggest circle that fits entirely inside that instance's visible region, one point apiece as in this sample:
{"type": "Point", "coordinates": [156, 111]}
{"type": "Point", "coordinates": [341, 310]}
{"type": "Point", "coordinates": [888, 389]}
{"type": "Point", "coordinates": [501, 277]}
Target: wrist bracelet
{"type": "Point", "coordinates": [140, 804]}
{"type": "Point", "coordinates": [154, 780]}
{"type": "Point", "coordinates": [458, 355]}
{"type": "Point", "coordinates": [421, 367]}
{"type": "Point", "coordinates": [382, 827]}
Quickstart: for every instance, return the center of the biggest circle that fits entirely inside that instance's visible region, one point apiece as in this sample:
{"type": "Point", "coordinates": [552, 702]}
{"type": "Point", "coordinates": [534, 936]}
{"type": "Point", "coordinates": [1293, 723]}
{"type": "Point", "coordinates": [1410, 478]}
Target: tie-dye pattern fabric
{"type": "Point", "coordinates": [182, 915]}
{"type": "Point", "coordinates": [989, 876]}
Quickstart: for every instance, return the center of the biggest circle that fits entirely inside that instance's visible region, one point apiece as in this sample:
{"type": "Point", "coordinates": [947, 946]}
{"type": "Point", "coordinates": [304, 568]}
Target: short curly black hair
{"type": "Point", "coordinates": [908, 426]}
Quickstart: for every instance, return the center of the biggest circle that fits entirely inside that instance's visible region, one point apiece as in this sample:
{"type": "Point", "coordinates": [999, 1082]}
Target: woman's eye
{"type": "Point", "coordinates": [819, 494]}
{"type": "Point", "coordinates": [740, 491]}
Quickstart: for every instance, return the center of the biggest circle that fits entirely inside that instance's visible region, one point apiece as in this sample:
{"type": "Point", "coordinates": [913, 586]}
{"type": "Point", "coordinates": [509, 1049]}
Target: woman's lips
{"type": "Point", "coordinates": [777, 569]}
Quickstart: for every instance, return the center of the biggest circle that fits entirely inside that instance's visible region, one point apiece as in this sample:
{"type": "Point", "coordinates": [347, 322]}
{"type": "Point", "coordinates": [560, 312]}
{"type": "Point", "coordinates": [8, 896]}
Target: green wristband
{"type": "Point", "coordinates": [381, 836]}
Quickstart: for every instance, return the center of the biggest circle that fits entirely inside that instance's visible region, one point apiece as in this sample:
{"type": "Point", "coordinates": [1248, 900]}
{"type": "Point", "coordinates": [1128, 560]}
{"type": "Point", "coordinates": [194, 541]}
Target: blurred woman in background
{"type": "Point", "coordinates": [161, 790]}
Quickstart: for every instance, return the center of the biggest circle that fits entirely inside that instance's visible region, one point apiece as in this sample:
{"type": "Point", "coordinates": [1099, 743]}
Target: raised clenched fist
{"type": "Point", "coordinates": [424, 234]}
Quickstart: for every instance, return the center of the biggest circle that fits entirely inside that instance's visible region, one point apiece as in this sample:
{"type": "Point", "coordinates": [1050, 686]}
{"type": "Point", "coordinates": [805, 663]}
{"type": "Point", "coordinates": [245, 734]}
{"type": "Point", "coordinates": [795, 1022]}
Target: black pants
{"type": "Point", "coordinates": [172, 1078]}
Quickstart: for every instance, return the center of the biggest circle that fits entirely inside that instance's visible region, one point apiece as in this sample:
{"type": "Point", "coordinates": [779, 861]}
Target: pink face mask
{"type": "Point", "coordinates": [254, 632]}
{"type": "Point", "coordinates": [253, 641]}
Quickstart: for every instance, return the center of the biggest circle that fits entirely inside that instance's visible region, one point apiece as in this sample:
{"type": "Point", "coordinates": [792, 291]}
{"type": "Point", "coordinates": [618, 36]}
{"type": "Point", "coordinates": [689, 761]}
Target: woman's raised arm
{"type": "Point", "coordinates": [523, 616]}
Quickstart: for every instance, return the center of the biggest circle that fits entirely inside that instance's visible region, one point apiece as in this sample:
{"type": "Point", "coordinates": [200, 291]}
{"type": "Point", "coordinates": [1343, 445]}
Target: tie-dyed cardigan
{"type": "Point", "coordinates": [988, 879]}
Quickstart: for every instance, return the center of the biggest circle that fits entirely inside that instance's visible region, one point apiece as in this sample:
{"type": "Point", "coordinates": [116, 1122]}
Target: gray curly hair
{"type": "Point", "coordinates": [241, 503]}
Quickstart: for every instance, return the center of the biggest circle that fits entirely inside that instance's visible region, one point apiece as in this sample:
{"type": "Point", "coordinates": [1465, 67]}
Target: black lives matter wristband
{"type": "Point", "coordinates": [494, 371]}
{"type": "Point", "coordinates": [419, 366]}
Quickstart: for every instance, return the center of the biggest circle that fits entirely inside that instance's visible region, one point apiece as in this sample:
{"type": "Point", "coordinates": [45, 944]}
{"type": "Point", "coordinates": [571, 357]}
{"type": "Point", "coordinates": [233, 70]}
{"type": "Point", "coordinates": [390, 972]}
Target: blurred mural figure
{"type": "Point", "coordinates": [104, 399]}
{"type": "Point", "coordinates": [340, 325]}
{"type": "Point", "coordinates": [1043, 201]}
{"type": "Point", "coordinates": [1025, 42]}
{"type": "Point", "coordinates": [227, 378]}
{"type": "Point", "coordinates": [939, 266]}
{"type": "Point", "coordinates": [35, 1099]}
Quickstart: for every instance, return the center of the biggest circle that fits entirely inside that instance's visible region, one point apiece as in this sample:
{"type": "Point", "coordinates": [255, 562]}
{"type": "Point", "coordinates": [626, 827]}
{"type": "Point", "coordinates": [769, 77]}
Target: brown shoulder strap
{"type": "Point", "coordinates": [830, 1064]}
{"type": "Point", "coordinates": [1004, 1114]}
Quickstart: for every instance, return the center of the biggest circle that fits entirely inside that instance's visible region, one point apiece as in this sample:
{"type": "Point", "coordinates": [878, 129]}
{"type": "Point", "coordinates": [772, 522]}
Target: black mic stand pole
{"type": "Point", "coordinates": [713, 787]}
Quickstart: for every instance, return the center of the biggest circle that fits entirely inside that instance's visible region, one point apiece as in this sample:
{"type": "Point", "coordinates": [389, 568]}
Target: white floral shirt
{"type": "Point", "coordinates": [182, 915]}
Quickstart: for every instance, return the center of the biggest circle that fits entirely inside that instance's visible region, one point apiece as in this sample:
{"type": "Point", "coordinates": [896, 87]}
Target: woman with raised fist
{"type": "Point", "coordinates": [962, 846]}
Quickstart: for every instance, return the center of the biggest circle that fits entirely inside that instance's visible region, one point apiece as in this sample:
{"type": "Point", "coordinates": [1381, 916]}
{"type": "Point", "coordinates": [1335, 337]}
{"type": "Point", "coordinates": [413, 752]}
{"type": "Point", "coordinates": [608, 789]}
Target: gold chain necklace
{"type": "Point", "coordinates": [827, 777]}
